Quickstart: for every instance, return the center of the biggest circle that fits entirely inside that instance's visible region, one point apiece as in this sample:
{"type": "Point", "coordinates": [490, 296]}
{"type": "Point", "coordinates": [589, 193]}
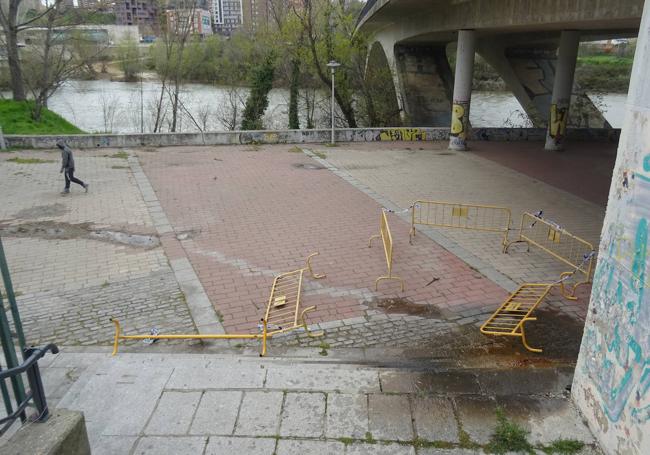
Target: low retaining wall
{"type": "Point", "coordinates": [299, 137]}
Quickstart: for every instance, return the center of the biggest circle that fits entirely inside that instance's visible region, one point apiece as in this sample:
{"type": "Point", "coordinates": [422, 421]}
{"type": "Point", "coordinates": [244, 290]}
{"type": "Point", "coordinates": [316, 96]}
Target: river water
{"type": "Point", "coordinates": [122, 107]}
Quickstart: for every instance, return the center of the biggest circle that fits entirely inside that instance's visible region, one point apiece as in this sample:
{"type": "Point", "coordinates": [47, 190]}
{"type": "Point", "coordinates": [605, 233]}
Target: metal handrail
{"type": "Point", "coordinates": [36, 392]}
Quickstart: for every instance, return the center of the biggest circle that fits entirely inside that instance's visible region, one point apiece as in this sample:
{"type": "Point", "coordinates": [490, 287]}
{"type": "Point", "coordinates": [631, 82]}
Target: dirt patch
{"type": "Point", "coordinates": [42, 211]}
{"type": "Point", "coordinates": [445, 154]}
{"type": "Point", "coordinates": [64, 231]}
{"type": "Point", "coordinates": [405, 306]}
{"type": "Point", "coordinates": [309, 166]}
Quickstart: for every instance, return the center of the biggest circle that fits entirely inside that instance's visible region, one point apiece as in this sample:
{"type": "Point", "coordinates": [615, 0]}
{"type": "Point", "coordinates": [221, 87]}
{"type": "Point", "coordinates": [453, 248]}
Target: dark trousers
{"type": "Point", "coordinates": [69, 177]}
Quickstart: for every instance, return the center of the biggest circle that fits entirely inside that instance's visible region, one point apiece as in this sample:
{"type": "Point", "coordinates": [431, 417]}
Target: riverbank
{"type": "Point", "coordinates": [16, 118]}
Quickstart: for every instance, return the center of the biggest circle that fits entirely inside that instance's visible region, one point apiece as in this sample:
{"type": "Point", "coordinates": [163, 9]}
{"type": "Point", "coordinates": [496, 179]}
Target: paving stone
{"type": "Point", "coordinates": [347, 415]}
{"type": "Point", "coordinates": [240, 446]}
{"type": "Point", "coordinates": [389, 417]}
{"type": "Point", "coordinates": [297, 447]}
{"type": "Point", "coordinates": [157, 445]}
{"type": "Point", "coordinates": [524, 381]}
{"type": "Point", "coordinates": [303, 415]}
{"type": "Point", "coordinates": [217, 413]}
{"type": "Point", "coordinates": [477, 416]}
{"type": "Point", "coordinates": [260, 414]}
{"type": "Point", "coordinates": [174, 413]}
{"type": "Point", "coordinates": [435, 419]}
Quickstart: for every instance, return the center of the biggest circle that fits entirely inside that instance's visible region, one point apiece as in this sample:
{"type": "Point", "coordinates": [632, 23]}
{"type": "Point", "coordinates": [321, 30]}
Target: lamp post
{"type": "Point", "coordinates": [332, 65]}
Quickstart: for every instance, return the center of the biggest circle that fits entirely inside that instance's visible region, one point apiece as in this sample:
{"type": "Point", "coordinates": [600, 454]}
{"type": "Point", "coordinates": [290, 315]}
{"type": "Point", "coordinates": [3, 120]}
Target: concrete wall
{"type": "Point", "coordinates": [298, 137]}
{"type": "Point", "coordinates": [612, 380]}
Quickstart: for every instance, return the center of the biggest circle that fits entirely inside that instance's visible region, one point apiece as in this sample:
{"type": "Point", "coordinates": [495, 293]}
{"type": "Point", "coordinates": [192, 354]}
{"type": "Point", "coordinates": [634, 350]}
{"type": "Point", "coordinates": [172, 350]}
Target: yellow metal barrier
{"type": "Point", "coordinates": [510, 318]}
{"type": "Point", "coordinates": [283, 314]}
{"type": "Point", "coordinates": [487, 218]}
{"type": "Point", "coordinates": [571, 250]}
{"type": "Point", "coordinates": [387, 239]}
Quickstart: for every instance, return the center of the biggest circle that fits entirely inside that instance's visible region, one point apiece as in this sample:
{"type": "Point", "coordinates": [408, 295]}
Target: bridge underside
{"type": "Point", "coordinates": [532, 45]}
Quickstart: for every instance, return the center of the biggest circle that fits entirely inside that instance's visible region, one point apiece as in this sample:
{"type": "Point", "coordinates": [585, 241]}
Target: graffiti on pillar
{"type": "Point", "coordinates": [558, 121]}
{"type": "Point", "coordinates": [615, 356]}
{"type": "Point", "coordinates": [458, 127]}
{"type": "Point", "coordinates": [402, 134]}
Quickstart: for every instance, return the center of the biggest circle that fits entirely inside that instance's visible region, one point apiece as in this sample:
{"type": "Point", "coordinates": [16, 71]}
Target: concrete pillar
{"type": "Point", "coordinates": [611, 385]}
{"type": "Point", "coordinates": [562, 88]}
{"type": "Point", "coordinates": [462, 90]}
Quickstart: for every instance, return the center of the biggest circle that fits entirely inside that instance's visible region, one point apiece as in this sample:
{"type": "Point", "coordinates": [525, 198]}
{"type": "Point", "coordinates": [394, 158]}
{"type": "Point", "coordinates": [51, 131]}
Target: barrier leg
{"type": "Point", "coordinates": [264, 336]}
{"type": "Point", "coordinates": [371, 238]}
{"type": "Point", "coordinates": [563, 289]}
{"type": "Point", "coordinates": [304, 323]}
{"type": "Point", "coordinates": [396, 278]}
{"type": "Point", "coordinates": [411, 235]}
{"type": "Point", "coordinates": [581, 283]}
{"type": "Point", "coordinates": [523, 336]}
{"type": "Point", "coordinates": [311, 271]}
{"type": "Point", "coordinates": [117, 335]}
{"type": "Point", "coordinates": [505, 248]}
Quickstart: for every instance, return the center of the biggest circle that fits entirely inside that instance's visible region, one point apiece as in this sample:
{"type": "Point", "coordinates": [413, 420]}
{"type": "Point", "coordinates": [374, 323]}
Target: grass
{"type": "Point", "coordinates": [121, 155]}
{"type": "Point", "coordinates": [323, 348]}
{"type": "Point", "coordinates": [19, 160]}
{"type": "Point", "coordinates": [320, 155]}
{"type": "Point", "coordinates": [508, 437]}
{"type": "Point", "coordinates": [564, 447]}
{"type": "Point", "coordinates": [295, 149]}
{"type": "Point", "coordinates": [119, 167]}
{"type": "Point", "coordinates": [16, 118]}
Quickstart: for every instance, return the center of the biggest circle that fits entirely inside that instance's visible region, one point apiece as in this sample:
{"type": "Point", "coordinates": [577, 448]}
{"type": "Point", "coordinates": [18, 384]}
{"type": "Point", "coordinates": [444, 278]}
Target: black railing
{"type": "Point", "coordinates": [36, 392]}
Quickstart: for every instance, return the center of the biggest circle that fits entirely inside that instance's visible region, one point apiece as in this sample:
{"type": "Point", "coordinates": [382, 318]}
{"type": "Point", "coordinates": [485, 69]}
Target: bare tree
{"type": "Point", "coordinates": [229, 112]}
{"type": "Point", "coordinates": [110, 108]}
{"type": "Point", "coordinates": [12, 24]}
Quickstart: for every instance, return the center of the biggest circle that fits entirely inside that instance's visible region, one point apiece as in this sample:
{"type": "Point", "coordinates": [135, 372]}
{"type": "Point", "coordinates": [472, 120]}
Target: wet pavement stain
{"type": "Point", "coordinates": [406, 307]}
{"type": "Point", "coordinates": [309, 167]}
{"type": "Point", "coordinates": [51, 230]}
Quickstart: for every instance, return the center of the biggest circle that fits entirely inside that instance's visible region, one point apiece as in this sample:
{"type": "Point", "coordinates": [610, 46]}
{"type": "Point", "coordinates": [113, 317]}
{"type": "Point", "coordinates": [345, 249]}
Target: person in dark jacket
{"type": "Point", "coordinates": [67, 166]}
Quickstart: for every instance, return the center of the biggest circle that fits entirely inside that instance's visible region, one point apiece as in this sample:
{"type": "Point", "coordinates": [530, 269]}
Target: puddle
{"type": "Point", "coordinates": [309, 166]}
{"type": "Point", "coordinates": [42, 211]}
{"type": "Point", "coordinates": [65, 231]}
{"type": "Point", "coordinates": [404, 306]}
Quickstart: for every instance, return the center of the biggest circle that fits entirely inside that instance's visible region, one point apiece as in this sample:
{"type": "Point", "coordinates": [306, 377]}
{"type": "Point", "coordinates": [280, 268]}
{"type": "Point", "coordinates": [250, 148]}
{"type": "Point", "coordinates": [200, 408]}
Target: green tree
{"type": "Point", "coordinates": [129, 59]}
{"type": "Point", "coordinates": [258, 99]}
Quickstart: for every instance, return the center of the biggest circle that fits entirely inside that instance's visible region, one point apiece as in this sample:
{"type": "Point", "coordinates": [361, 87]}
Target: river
{"type": "Point", "coordinates": [98, 106]}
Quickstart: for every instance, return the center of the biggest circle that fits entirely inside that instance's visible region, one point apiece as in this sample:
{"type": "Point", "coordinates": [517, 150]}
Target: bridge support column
{"type": "Point", "coordinates": [562, 89]}
{"type": "Point", "coordinates": [462, 90]}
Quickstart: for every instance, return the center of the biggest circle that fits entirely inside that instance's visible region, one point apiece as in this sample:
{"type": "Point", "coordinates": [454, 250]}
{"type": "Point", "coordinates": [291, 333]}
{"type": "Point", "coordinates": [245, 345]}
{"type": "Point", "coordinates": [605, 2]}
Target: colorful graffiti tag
{"type": "Point", "coordinates": [402, 134]}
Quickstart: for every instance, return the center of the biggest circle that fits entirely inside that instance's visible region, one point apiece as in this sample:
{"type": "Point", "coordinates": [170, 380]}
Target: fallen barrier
{"type": "Point", "coordinates": [283, 314]}
{"type": "Point", "coordinates": [387, 240]}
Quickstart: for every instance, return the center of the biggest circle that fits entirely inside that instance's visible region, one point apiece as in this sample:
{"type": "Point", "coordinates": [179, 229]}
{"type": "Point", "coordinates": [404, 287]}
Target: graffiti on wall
{"type": "Point", "coordinates": [402, 134]}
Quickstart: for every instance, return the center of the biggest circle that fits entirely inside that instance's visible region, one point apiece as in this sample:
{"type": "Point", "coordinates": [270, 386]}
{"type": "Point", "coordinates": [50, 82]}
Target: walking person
{"type": "Point", "coordinates": [67, 166]}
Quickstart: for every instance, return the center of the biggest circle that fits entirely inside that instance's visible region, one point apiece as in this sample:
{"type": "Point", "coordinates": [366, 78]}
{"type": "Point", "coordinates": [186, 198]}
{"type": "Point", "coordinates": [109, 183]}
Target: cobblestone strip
{"type": "Point", "coordinates": [203, 313]}
{"type": "Point", "coordinates": [445, 242]}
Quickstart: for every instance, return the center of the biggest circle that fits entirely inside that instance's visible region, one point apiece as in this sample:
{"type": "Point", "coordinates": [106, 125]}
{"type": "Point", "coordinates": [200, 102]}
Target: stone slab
{"type": "Point", "coordinates": [379, 449]}
{"type": "Point", "coordinates": [389, 417]}
{"type": "Point", "coordinates": [303, 415]}
{"type": "Point", "coordinates": [435, 419]}
{"type": "Point", "coordinates": [524, 381]}
{"type": "Point", "coordinates": [217, 413]}
{"type": "Point", "coordinates": [112, 445]}
{"type": "Point", "coordinates": [324, 379]}
{"type": "Point", "coordinates": [215, 375]}
{"type": "Point", "coordinates": [240, 446]}
{"type": "Point", "coordinates": [259, 414]}
{"type": "Point", "coordinates": [297, 447]}
{"type": "Point", "coordinates": [429, 382]}
{"type": "Point", "coordinates": [158, 445]}
{"type": "Point", "coordinates": [477, 416]}
{"type": "Point", "coordinates": [174, 413]}
{"type": "Point", "coordinates": [347, 415]}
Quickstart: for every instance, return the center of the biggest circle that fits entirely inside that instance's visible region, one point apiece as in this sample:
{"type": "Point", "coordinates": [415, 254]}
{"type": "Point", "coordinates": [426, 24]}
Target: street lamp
{"type": "Point", "coordinates": [332, 65]}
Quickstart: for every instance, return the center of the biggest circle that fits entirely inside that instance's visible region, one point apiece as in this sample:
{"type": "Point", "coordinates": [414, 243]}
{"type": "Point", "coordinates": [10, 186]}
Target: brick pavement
{"type": "Point", "coordinates": [68, 278]}
{"type": "Point", "coordinates": [246, 214]}
{"type": "Point", "coordinates": [404, 173]}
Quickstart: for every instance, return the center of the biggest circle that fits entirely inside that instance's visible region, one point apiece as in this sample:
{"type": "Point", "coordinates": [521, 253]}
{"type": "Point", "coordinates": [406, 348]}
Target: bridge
{"type": "Point", "coordinates": [532, 44]}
